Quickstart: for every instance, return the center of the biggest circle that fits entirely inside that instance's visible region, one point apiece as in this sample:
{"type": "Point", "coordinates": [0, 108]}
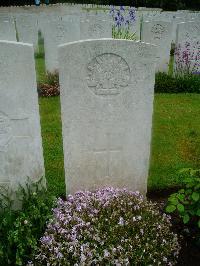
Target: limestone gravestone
{"type": "Point", "coordinates": [165, 17]}
{"type": "Point", "coordinates": [188, 31]}
{"type": "Point", "coordinates": [7, 28]}
{"type": "Point", "coordinates": [58, 31]}
{"type": "Point", "coordinates": [160, 34]}
{"type": "Point", "coordinates": [188, 44]}
{"type": "Point", "coordinates": [27, 28]}
{"type": "Point", "coordinates": [95, 26]}
{"type": "Point", "coordinates": [107, 91]}
{"type": "Point", "coordinates": [21, 153]}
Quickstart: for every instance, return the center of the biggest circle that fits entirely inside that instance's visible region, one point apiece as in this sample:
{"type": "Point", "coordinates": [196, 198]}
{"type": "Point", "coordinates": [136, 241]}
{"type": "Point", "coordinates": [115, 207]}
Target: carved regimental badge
{"type": "Point", "coordinates": [108, 74]}
{"type": "Point", "coordinates": [158, 31]}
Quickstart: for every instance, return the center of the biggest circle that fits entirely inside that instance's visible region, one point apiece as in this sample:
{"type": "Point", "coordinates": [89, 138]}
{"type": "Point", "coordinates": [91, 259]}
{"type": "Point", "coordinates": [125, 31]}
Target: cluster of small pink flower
{"type": "Point", "coordinates": [108, 227]}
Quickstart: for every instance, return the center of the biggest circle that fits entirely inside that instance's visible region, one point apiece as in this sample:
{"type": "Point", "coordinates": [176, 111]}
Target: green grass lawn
{"type": "Point", "coordinates": [175, 140]}
{"type": "Point", "coordinates": [52, 144]}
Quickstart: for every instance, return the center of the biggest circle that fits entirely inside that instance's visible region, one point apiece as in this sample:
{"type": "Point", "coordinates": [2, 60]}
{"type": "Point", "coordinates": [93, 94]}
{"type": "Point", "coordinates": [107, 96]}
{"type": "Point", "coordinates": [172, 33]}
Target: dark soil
{"type": "Point", "coordinates": [190, 252]}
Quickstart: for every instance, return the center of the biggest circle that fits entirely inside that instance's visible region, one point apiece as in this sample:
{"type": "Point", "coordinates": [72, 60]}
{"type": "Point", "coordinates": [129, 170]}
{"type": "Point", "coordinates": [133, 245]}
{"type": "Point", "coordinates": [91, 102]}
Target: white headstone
{"type": "Point", "coordinates": [7, 28]}
{"type": "Point", "coordinates": [187, 55]}
{"type": "Point", "coordinates": [21, 154]}
{"type": "Point", "coordinates": [165, 16]}
{"type": "Point", "coordinates": [188, 31]}
{"type": "Point", "coordinates": [95, 26]}
{"type": "Point", "coordinates": [160, 34]}
{"type": "Point", "coordinates": [107, 91]}
{"type": "Point", "coordinates": [58, 31]}
{"type": "Point", "coordinates": [27, 28]}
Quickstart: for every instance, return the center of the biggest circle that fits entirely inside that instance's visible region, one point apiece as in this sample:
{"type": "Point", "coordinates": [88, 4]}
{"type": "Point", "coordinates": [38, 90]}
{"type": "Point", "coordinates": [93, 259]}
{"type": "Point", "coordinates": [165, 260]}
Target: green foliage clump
{"type": "Point", "coordinates": [21, 229]}
{"type": "Point", "coordinates": [165, 83]}
{"type": "Point", "coordinates": [186, 202]}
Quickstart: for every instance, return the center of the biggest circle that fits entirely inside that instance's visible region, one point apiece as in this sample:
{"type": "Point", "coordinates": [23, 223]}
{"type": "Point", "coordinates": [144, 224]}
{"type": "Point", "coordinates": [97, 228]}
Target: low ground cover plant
{"type": "Point", "coordinates": [108, 227]}
{"type": "Point", "coordinates": [20, 230]}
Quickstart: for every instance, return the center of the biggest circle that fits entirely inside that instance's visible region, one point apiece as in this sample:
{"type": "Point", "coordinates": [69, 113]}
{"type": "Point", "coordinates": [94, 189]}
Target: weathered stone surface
{"type": "Point", "coordinates": [27, 28]}
{"type": "Point", "coordinates": [107, 91]}
{"type": "Point", "coordinates": [58, 31]}
{"type": "Point", "coordinates": [188, 31]}
{"type": "Point", "coordinates": [20, 138]}
{"type": "Point", "coordinates": [7, 28]}
{"type": "Point", "coordinates": [95, 26]}
{"type": "Point", "coordinates": [160, 34]}
{"type": "Point", "coordinates": [187, 57]}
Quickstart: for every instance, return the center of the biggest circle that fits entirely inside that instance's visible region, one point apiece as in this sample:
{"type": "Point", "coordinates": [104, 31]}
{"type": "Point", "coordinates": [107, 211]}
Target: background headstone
{"type": "Point", "coordinates": [188, 31]}
{"type": "Point", "coordinates": [58, 31]}
{"type": "Point", "coordinates": [21, 154]}
{"type": "Point", "coordinates": [7, 28]}
{"type": "Point", "coordinates": [107, 91]}
{"type": "Point", "coordinates": [95, 26]}
{"type": "Point", "coordinates": [188, 47]}
{"type": "Point", "coordinates": [27, 28]}
{"type": "Point", "coordinates": [159, 33]}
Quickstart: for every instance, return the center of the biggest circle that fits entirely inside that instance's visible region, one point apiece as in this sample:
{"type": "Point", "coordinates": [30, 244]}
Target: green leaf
{"type": "Point", "coordinates": [180, 208]}
{"type": "Point", "coordinates": [170, 208]}
{"type": "Point", "coordinates": [174, 201]}
{"type": "Point", "coordinates": [199, 223]}
{"type": "Point", "coordinates": [195, 196]}
{"type": "Point", "coordinates": [186, 218]}
{"type": "Point", "coordinates": [198, 212]}
{"type": "Point", "coordinates": [192, 212]}
{"type": "Point", "coordinates": [181, 197]}
{"type": "Point", "coordinates": [197, 186]}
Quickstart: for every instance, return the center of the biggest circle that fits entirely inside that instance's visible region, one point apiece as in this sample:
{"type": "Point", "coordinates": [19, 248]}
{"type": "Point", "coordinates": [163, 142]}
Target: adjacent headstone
{"type": "Point", "coordinates": [27, 28]}
{"type": "Point", "coordinates": [107, 91]}
{"type": "Point", "coordinates": [21, 153]}
{"type": "Point", "coordinates": [159, 33]}
{"type": "Point", "coordinates": [188, 31]}
{"type": "Point", "coordinates": [7, 28]}
{"type": "Point", "coordinates": [187, 53]}
{"type": "Point", "coordinates": [95, 26]}
{"type": "Point", "coordinates": [58, 31]}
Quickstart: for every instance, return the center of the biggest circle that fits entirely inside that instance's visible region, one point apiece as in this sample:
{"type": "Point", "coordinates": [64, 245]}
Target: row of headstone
{"type": "Point", "coordinates": [170, 29]}
{"type": "Point", "coordinates": [106, 113]}
{"type": "Point", "coordinates": [61, 24]}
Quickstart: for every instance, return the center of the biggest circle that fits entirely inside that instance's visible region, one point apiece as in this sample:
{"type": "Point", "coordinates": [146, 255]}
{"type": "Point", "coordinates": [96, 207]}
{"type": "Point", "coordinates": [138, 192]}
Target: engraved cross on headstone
{"type": "Point", "coordinates": [108, 157]}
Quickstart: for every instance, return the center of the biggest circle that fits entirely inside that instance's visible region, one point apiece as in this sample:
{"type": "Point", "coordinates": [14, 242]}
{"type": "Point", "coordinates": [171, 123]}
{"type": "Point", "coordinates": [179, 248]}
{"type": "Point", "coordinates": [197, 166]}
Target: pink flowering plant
{"type": "Point", "coordinates": [187, 58]}
{"type": "Point", "coordinates": [108, 227]}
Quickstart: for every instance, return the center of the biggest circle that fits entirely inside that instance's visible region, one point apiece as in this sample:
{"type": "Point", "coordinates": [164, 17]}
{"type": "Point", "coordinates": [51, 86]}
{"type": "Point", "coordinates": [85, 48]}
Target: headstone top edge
{"type": "Point", "coordinates": [62, 46]}
{"type": "Point", "coordinates": [22, 44]}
